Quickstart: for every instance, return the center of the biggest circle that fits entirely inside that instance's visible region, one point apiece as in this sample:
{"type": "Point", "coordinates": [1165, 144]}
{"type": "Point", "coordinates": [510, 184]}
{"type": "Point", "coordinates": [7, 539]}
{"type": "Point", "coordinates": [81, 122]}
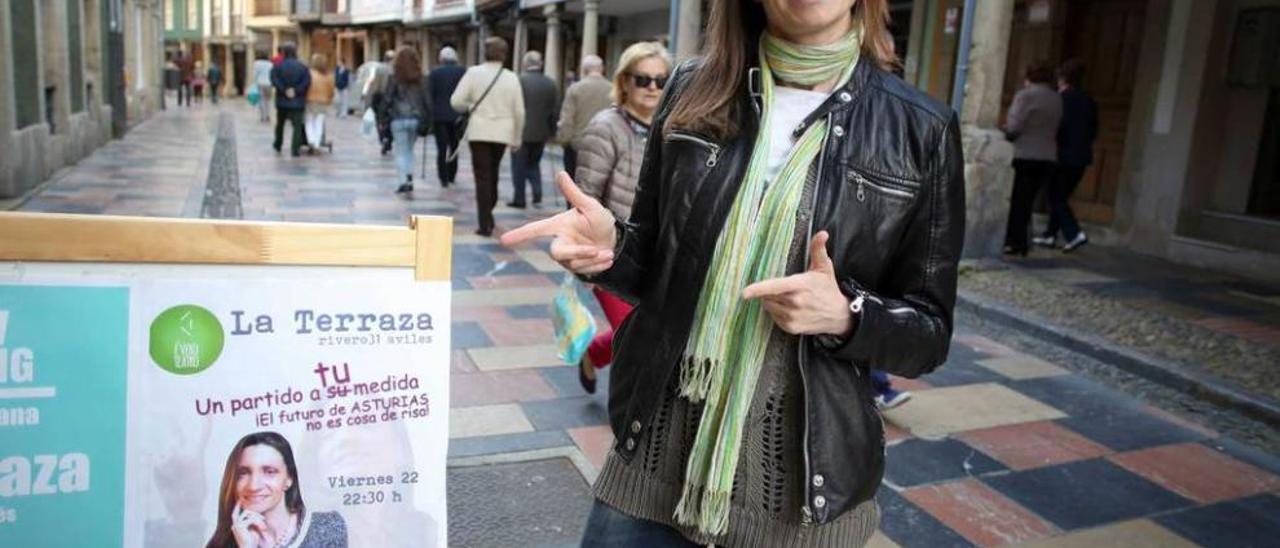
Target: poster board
{"type": "Point", "coordinates": [172, 382]}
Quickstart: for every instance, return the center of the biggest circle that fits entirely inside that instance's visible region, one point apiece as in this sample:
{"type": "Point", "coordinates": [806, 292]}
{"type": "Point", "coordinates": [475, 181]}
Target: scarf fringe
{"type": "Point", "coordinates": [695, 378]}
{"type": "Point", "coordinates": [705, 510]}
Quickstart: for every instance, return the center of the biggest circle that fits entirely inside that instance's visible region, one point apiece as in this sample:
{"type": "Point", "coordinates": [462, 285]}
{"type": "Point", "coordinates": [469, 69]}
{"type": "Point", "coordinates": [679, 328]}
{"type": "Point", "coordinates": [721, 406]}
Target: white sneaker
{"type": "Point", "coordinates": [1076, 242]}
{"type": "Point", "coordinates": [895, 399]}
{"type": "Point", "coordinates": [1045, 241]}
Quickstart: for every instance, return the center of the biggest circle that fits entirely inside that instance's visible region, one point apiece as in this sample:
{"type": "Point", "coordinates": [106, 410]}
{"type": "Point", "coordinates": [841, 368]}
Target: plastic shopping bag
{"type": "Point", "coordinates": [574, 326]}
{"type": "Point", "coordinates": [254, 96]}
{"type": "Point", "coordinates": [369, 124]}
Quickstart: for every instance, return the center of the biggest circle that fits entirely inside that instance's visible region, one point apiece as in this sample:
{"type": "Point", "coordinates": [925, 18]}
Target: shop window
{"type": "Point", "coordinates": [50, 92]}
{"type": "Point", "coordinates": [1264, 195]}
{"type": "Point", "coordinates": [1255, 49]}
{"type": "Point", "coordinates": [26, 85]}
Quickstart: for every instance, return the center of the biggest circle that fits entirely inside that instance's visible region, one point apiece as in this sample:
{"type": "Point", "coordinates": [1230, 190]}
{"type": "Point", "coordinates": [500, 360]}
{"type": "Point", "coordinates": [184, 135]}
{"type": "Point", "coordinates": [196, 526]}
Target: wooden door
{"type": "Point", "coordinates": [1107, 35]}
{"type": "Point", "coordinates": [942, 45]}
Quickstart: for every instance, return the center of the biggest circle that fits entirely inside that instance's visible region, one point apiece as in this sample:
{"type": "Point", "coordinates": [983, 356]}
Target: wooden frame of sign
{"type": "Point", "coordinates": [425, 245]}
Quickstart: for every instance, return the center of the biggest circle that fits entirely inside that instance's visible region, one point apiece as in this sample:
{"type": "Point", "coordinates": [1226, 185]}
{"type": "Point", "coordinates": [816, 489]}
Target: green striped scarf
{"type": "Point", "coordinates": [729, 337]}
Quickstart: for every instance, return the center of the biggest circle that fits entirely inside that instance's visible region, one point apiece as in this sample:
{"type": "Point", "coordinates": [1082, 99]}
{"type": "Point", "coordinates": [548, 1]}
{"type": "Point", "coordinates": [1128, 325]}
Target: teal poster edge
{"type": "Point", "coordinates": [64, 354]}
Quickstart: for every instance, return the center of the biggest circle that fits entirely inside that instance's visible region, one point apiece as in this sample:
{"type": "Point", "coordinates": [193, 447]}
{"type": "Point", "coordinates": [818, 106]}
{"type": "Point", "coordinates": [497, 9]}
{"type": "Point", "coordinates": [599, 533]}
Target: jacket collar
{"type": "Point", "coordinates": [840, 99]}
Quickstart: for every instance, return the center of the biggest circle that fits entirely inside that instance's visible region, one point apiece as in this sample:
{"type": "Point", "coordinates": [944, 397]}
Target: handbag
{"type": "Point", "coordinates": [460, 125]}
{"type": "Point", "coordinates": [574, 326]}
{"type": "Point", "coordinates": [254, 96]}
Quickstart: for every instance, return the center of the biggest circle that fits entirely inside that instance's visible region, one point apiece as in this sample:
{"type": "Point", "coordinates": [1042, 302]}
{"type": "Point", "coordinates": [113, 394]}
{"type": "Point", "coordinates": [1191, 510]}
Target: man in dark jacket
{"type": "Point", "coordinates": [186, 73]}
{"type": "Point", "coordinates": [1076, 133]}
{"type": "Point", "coordinates": [541, 110]}
{"type": "Point", "coordinates": [291, 79]}
{"type": "Point", "coordinates": [214, 75]}
{"type": "Point", "coordinates": [443, 80]}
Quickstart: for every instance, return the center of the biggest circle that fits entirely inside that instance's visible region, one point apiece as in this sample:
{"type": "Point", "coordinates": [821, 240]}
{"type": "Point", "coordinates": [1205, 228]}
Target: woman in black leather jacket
{"type": "Point", "coordinates": [776, 134]}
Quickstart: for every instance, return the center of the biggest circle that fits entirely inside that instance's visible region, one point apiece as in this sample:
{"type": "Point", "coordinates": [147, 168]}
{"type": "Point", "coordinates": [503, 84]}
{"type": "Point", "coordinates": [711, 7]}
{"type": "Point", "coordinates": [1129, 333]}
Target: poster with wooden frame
{"type": "Point", "coordinates": [181, 382]}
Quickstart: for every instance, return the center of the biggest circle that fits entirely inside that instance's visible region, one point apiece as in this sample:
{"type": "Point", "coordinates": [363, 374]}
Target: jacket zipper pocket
{"type": "Point", "coordinates": [685, 136]}
{"type": "Point", "coordinates": [863, 183]}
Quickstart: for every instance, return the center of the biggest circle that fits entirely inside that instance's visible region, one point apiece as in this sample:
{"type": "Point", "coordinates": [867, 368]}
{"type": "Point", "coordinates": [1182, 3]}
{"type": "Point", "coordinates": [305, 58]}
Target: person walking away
{"type": "Point", "coordinates": [319, 100]}
{"type": "Point", "coordinates": [186, 72]}
{"type": "Point", "coordinates": [443, 81]}
{"type": "Point", "coordinates": [409, 106]}
{"type": "Point", "coordinates": [172, 75]}
{"type": "Point", "coordinates": [1032, 126]}
{"type": "Point", "coordinates": [341, 81]}
{"type": "Point", "coordinates": [291, 80]}
{"type": "Point", "coordinates": [609, 159]}
{"type": "Point", "coordinates": [197, 82]}
{"type": "Point", "coordinates": [772, 263]}
{"type": "Point", "coordinates": [582, 101]}
{"type": "Point", "coordinates": [262, 78]}
{"type": "Point", "coordinates": [1076, 133]}
{"type": "Point", "coordinates": [375, 98]}
{"type": "Point", "coordinates": [493, 97]}
{"type": "Point", "coordinates": [541, 108]}
{"type": "Point", "coordinates": [214, 75]}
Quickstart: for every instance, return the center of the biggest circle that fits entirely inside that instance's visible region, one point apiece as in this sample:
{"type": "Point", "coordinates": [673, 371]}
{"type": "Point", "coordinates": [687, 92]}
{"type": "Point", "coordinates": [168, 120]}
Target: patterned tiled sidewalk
{"type": "Point", "coordinates": [1220, 302]}
{"type": "Point", "coordinates": [996, 448]}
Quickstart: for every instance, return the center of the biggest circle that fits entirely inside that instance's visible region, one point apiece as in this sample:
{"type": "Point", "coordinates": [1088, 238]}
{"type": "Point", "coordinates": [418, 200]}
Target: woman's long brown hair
{"type": "Point", "coordinates": [407, 66]}
{"type": "Point", "coordinates": [708, 105]}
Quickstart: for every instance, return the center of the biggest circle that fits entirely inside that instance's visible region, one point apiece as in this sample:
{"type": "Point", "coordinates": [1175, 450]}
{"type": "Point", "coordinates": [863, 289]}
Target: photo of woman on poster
{"type": "Point", "coordinates": [260, 503]}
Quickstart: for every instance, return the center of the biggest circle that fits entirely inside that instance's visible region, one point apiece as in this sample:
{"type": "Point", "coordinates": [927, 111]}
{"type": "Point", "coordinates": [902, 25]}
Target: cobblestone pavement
{"type": "Point", "coordinates": [1007, 443]}
{"type": "Point", "coordinates": [1207, 322]}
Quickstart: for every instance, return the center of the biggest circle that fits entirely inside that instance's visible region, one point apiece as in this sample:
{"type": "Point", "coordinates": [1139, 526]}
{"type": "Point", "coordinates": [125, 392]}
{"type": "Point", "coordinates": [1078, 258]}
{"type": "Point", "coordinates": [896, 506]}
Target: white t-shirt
{"type": "Point", "coordinates": [262, 72]}
{"type": "Point", "coordinates": [790, 107]}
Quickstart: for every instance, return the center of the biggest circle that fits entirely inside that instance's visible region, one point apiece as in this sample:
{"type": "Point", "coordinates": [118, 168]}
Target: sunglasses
{"type": "Point", "coordinates": [643, 81]}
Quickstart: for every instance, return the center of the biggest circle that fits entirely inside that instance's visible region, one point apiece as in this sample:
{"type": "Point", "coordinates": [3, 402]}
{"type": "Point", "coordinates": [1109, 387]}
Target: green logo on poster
{"type": "Point", "coordinates": [186, 339]}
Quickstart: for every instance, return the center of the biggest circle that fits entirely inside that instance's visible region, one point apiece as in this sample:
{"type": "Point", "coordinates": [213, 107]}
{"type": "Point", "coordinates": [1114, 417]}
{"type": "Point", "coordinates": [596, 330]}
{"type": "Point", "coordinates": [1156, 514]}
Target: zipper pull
{"type": "Point", "coordinates": [714, 157]}
{"type": "Point", "coordinates": [862, 194]}
{"type": "Point", "coordinates": [806, 515]}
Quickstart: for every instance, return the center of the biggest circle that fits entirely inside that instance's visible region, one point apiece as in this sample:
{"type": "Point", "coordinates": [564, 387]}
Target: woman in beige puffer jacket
{"type": "Point", "coordinates": [610, 152]}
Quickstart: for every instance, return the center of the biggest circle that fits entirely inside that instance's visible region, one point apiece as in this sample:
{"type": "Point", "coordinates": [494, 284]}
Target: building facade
{"type": "Point", "coordinates": [1187, 160]}
{"type": "Point", "coordinates": [184, 28]}
{"type": "Point", "coordinates": [73, 73]}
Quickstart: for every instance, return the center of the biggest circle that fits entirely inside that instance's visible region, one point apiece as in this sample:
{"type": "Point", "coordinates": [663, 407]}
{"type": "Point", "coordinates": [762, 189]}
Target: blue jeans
{"type": "Point", "coordinates": [526, 167]}
{"type": "Point", "coordinates": [880, 382]}
{"type": "Point", "coordinates": [609, 528]}
{"type": "Point", "coordinates": [404, 132]}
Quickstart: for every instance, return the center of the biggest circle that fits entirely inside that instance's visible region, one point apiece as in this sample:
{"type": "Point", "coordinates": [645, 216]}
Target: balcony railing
{"type": "Point", "coordinates": [271, 7]}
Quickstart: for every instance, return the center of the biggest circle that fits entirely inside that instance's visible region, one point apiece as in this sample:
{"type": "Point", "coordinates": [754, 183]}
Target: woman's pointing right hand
{"type": "Point", "coordinates": [584, 235]}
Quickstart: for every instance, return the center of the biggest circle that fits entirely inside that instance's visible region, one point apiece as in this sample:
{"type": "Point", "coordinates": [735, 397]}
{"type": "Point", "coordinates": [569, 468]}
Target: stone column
{"type": "Point", "coordinates": [689, 29]}
{"type": "Point", "coordinates": [521, 44]}
{"type": "Point", "coordinates": [304, 45]}
{"type": "Point", "coordinates": [275, 43]}
{"type": "Point", "coordinates": [590, 27]}
{"type": "Point", "coordinates": [474, 55]}
{"type": "Point", "coordinates": [988, 155]}
{"type": "Point", "coordinates": [226, 19]}
{"type": "Point", "coordinates": [228, 72]}
{"type": "Point", "coordinates": [992, 27]}
{"type": "Point", "coordinates": [551, 58]}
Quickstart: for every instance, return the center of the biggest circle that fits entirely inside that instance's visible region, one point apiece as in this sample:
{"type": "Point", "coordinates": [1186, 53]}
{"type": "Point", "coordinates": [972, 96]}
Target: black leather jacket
{"type": "Point", "coordinates": [890, 191]}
